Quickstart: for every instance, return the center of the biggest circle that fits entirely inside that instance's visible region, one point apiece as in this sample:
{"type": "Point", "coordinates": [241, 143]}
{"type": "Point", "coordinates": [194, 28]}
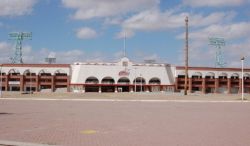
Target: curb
{"type": "Point", "coordinates": [130, 100]}
{"type": "Point", "coordinates": [14, 143]}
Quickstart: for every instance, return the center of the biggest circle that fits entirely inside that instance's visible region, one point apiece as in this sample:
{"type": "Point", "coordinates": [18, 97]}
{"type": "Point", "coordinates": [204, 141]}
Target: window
{"type": "Point", "coordinates": [125, 63]}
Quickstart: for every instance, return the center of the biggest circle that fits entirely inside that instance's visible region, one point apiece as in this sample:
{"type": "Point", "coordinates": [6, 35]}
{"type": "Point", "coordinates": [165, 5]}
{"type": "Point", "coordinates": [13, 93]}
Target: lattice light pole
{"type": "Point", "coordinates": [219, 58]}
{"type": "Point", "coordinates": [19, 37]}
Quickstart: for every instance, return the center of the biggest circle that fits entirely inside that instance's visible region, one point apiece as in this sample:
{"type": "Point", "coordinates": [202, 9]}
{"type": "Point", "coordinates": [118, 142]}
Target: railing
{"type": "Point", "coordinates": [154, 83]}
{"type": "Point", "coordinates": [194, 79]}
{"type": "Point", "coordinates": [91, 82]}
{"type": "Point", "coordinates": [61, 77]}
{"type": "Point", "coordinates": [123, 83]}
{"type": "Point", "coordinates": [107, 82]}
{"type": "Point", "coordinates": [45, 83]}
{"type": "Point", "coordinates": [222, 80]}
{"type": "Point", "coordinates": [61, 83]}
{"type": "Point", "coordinates": [46, 77]}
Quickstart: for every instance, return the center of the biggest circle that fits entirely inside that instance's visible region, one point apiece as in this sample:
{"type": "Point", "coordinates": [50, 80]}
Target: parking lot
{"type": "Point", "coordinates": [125, 122]}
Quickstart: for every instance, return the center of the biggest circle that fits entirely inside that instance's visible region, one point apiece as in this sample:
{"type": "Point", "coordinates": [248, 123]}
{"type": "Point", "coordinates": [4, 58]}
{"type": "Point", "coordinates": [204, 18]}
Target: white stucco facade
{"type": "Point", "coordinates": [82, 71]}
{"type": "Point", "coordinates": [123, 69]}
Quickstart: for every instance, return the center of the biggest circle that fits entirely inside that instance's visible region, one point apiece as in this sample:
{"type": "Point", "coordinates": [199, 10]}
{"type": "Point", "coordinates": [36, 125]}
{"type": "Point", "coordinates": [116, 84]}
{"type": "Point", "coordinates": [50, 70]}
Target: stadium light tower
{"type": "Point", "coordinates": [219, 58]}
{"type": "Point", "coordinates": [19, 37]}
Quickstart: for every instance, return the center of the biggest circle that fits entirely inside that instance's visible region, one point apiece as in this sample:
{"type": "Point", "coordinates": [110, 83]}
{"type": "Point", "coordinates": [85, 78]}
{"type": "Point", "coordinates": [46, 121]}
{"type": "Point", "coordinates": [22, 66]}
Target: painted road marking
{"type": "Point", "coordinates": [88, 132]}
{"type": "Point", "coordinates": [129, 100]}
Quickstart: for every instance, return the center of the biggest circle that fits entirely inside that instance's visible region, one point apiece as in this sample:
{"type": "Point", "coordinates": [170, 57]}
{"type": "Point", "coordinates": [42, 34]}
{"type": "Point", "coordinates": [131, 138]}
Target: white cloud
{"type": "Point", "coordinates": [38, 56]}
{"type": "Point", "coordinates": [88, 9]}
{"type": "Point", "coordinates": [155, 20]}
{"type": "Point", "coordinates": [227, 31]}
{"type": "Point", "coordinates": [16, 7]}
{"type": "Point", "coordinates": [129, 33]}
{"type": "Point", "coordinates": [69, 56]}
{"type": "Point", "coordinates": [86, 33]}
{"type": "Point", "coordinates": [213, 3]}
{"type": "Point", "coordinates": [235, 51]}
{"type": "Point", "coordinates": [237, 44]}
{"type": "Point", "coordinates": [5, 49]}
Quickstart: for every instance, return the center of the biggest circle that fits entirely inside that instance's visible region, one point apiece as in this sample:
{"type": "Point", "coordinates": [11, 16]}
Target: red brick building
{"type": "Point", "coordinates": [35, 77]}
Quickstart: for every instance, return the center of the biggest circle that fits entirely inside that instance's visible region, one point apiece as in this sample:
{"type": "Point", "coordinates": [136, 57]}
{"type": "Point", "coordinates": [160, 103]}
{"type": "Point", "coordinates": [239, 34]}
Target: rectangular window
{"type": "Point", "coordinates": [124, 63]}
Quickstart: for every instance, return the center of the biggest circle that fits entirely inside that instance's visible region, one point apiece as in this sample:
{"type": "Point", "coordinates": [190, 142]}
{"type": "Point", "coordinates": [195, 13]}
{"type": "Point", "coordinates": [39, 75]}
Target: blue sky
{"type": "Point", "coordinates": [92, 30]}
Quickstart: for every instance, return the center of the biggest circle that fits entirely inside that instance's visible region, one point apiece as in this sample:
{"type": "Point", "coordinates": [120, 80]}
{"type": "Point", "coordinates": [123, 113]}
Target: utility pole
{"type": "Point", "coordinates": [186, 58]}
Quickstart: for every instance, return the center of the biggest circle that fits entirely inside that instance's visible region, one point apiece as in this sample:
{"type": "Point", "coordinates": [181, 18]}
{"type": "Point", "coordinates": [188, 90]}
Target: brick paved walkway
{"type": "Point", "coordinates": [82, 123]}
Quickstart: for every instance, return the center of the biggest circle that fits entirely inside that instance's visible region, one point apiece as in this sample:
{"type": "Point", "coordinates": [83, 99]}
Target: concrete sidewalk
{"type": "Point", "coordinates": [128, 96]}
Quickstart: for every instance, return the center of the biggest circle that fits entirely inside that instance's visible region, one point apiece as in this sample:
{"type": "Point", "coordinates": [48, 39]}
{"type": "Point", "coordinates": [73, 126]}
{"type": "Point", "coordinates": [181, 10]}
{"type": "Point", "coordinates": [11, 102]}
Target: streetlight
{"type": "Point", "coordinates": [242, 78]}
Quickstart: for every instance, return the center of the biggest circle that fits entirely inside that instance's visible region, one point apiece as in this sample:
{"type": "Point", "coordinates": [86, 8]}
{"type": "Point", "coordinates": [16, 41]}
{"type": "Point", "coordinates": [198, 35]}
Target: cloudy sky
{"type": "Point", "coordinates": [93, 30]}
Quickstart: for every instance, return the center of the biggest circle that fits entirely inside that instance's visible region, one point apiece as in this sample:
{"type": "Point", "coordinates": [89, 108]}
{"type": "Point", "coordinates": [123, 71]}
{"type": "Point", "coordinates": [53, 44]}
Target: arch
{"type": "Point", "coordinates": [155, 81]}
{"type": "Point", "coordinates": [44, 73]}
{"type": "Point", "coordinates": [123, 80]}
{"type": "Point", "coordinates": [235, 76]}
{"type": "Point", "coordinates": [181, 74]}
{"type": "Point", "coordinates": [14, 72]}
{"type": "Point", "coordinates": [139, 80]}
{"type": "Point", "coordinates": [92, 80]}
{"type": "Point", "coordinates": [246, 75]}
{"type": "Point", "coordinates": [197, 75]}
{"type": "Point", "coordinates": [60, 72]}
{"type": "Point", "coordinates": [210, 75]}
{"type": "Point", "coordinates": [222, 75]}
{"type": "Point", "coordinates": [108, 80]}
{"type": "Point", "coordinates": [2, 73]}
{"type": "Point", "coordinates": [29, 72]}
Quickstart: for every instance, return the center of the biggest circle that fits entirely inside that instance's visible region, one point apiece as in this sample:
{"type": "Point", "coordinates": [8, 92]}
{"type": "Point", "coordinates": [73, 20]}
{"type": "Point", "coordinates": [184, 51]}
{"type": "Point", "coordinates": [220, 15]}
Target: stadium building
{"type": "Point", "coordinates": [121, 76]}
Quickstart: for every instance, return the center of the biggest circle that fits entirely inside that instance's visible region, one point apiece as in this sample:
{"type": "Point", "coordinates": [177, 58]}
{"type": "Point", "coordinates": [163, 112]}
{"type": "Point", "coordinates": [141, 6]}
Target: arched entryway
{"type": "Point", "coordinates": [45, 79]}
{"type": "Point", "coordinates": [91, 84]}
{"type": "Point", "coordinates": [123, 84]}
{"type": "Point", "coordinates": [210, 82]}
{"type": "Point", "coordinates": [155, 84]}
{"type": "Point", "coordinates": [197, 81]}
{"type": "Point", "coordinates": [139, 83]}
{"type": "Point", "coordinates": [108, 84]}
{"type": "Point", "coordinates": [29, 80]}
{"type": "Point", "coordinates": [61, 80]}
{"type": "Point", "coordinates": [235, 81]}
{"type": "Point", "coordinates": [14, 80]}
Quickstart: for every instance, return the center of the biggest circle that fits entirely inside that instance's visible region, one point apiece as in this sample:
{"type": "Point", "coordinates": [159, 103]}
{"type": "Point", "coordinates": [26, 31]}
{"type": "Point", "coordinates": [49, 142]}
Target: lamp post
{"type": "Point", "coordinates": [242, 78]}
